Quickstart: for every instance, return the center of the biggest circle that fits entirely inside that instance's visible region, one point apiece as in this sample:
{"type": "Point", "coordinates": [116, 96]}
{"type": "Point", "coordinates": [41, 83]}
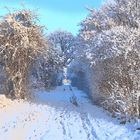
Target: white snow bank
{"type": "Point", "coordinates": [52, 116]}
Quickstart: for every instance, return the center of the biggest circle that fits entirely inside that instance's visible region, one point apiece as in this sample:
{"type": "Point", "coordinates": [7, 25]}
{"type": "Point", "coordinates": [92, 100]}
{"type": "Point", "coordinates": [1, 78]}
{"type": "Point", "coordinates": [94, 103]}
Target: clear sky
{"type": "Point", "coordinates": [55, 14]}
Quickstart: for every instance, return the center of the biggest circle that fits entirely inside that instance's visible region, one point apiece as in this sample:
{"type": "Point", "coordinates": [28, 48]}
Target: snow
{"type": "Point", "coordinates": [52, 115]}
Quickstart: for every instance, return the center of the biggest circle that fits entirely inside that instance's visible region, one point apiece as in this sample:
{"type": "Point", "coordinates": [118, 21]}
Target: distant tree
{"type": "Point", "coordinates": [65, 44]}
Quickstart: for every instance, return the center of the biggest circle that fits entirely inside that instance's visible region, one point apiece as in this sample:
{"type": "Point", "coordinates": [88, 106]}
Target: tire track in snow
{"type": "Point", "coordinates": [64, 115]}
{"type": "Point", "coordinates": [87, 125]}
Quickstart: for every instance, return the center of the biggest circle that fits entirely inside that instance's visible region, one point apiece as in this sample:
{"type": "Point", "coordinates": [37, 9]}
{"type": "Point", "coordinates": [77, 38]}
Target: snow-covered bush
{"type": "Point", "coordinates": [21, 42]}
{"type": "Point", "coordinates": [111, 49]}
{"type": "Point", "coordinates": [2, 78]}
{"type": "Point", "coordinates": [47, 69]}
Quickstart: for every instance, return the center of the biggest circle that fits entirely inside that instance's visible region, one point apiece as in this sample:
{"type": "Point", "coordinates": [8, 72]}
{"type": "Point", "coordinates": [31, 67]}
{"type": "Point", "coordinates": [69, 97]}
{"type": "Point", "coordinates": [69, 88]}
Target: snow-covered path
{"type": "Point", "coordinates": [53, 116]}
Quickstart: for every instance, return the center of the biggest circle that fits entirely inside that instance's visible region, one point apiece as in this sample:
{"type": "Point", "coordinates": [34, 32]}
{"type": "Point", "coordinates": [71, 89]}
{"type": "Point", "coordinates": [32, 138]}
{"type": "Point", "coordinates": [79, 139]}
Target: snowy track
{"type": "Point", "coordinates": [52, 116]}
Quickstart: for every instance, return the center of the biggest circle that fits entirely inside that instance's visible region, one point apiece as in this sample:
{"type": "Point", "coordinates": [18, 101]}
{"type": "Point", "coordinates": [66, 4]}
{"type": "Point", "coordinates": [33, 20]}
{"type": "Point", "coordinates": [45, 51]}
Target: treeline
{"type": "Point", "coordinates": [109, 52]}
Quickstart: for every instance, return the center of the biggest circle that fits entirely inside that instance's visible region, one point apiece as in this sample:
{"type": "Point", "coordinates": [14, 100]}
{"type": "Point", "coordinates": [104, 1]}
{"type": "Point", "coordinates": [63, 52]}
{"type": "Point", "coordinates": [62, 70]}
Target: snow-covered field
{"type": "Point", "coordinates": [53, 116]}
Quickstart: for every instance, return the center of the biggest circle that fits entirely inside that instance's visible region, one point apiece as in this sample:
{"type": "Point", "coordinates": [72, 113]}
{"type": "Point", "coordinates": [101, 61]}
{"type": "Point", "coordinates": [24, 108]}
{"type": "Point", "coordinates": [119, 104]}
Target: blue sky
{"type": "Point", "coordinates": [55, 14]}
